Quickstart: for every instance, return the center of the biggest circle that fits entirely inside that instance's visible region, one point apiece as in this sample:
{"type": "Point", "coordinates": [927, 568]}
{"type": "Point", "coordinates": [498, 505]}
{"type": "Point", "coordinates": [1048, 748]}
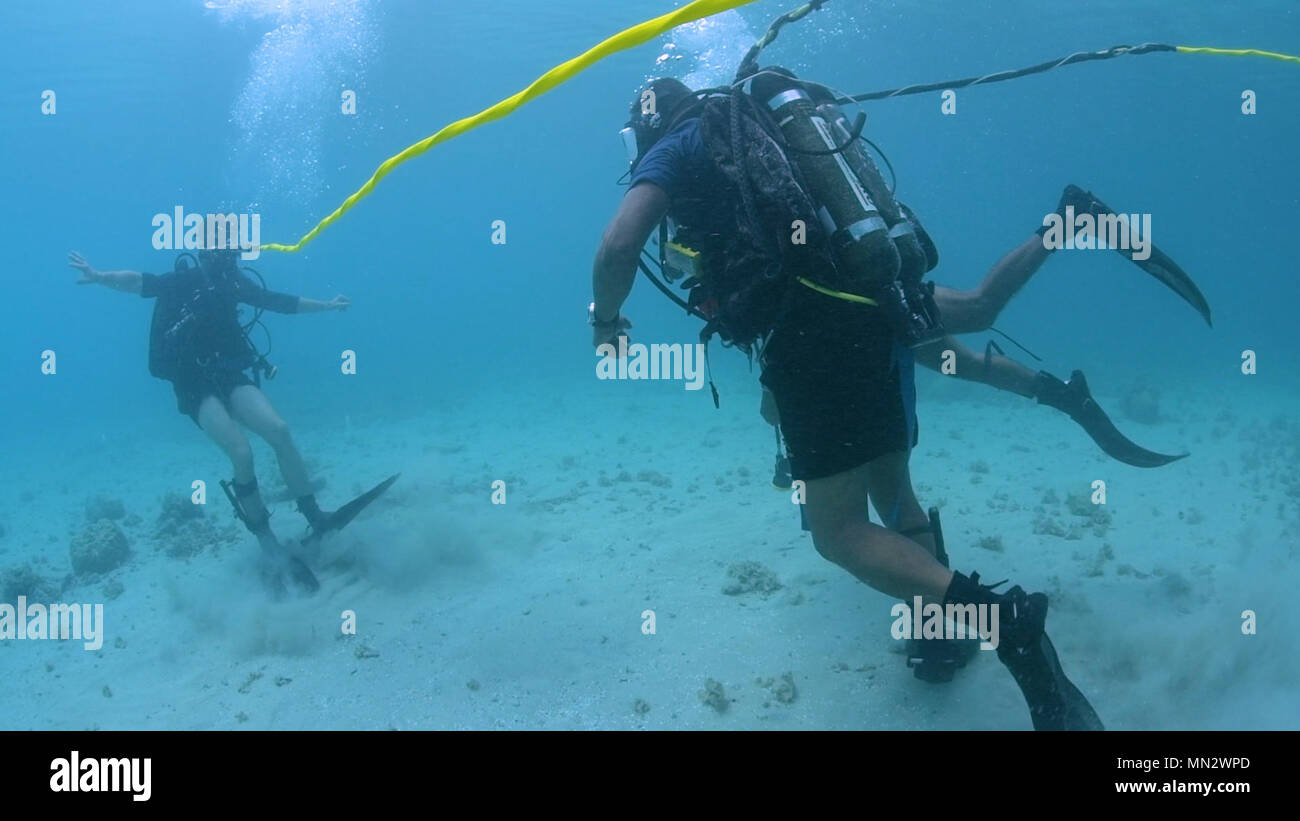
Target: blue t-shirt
{"type": "Point", "coordinates": [672, 161]}
{"type": "Point", "coordinates": [680, 165]}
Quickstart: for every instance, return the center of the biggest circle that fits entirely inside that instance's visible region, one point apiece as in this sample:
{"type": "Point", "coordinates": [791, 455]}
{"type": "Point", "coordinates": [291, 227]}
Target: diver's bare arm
{"type": "Point", "coordinates": [620, 248]}
{"type": "Point", "coordinates": [315, 306]}
{"type": "Point", "coordinates": [998, 371]}
{"type": "Point", "coordinates": [976, 310]}
{"type": "Point", "coordinates": [126, 281]}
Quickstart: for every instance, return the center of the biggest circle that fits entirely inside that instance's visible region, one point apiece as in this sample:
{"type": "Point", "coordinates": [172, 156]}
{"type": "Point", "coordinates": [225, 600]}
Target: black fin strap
{"type": "Point", "coordinates": [988, 356]}
{"type": "Point", "coordinates": [975, 578]}
{"type": "Point", "coordinates": [235, 492]}
{"type": "Point", "coordinates": [1007, 337]}
{"type": "Point", "coordinates": [231, 491]}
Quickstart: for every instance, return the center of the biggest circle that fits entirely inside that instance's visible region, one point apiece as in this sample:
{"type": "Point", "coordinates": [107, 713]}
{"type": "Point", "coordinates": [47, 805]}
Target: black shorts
{"type": "Point", "coordinates": [198, 384]}
{"type": "Point", "coordinates": [843, 386]}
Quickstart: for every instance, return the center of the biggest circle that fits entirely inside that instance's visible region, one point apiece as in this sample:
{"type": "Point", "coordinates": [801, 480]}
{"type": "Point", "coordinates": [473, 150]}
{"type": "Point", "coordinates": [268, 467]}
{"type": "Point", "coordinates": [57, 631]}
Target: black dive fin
{"type": "Point", "coordinates": [1158, 264]}
{"type": "Point", "coordinates": [276, 559]}
{"type": "Point", "coordinates": [1074, 399]}
{"type": "Point", "coordinates": [1079, 713]}
{"type": "Point", "coordinates": [1054, 702]}
{"type": "Point", "coordinates": [275, 568]}
{"type": "Point", "coordinates": [340, 518]}
{"type": "Point", "coordinates": [301, 575]}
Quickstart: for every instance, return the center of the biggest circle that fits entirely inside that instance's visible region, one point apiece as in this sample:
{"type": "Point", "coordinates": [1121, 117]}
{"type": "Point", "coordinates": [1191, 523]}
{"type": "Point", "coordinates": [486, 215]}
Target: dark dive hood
{"type": "Point", "coordinates": [650, 126]}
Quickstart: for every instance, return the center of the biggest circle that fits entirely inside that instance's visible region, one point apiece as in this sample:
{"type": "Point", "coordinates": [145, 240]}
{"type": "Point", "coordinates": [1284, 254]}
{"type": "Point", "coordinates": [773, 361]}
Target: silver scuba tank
{"type": "Point", "coordinates": [858, 232]}
{"type": "Point", "coordinates": [912, 261]}
{"type": "Point", "coordinates": [872, 238]}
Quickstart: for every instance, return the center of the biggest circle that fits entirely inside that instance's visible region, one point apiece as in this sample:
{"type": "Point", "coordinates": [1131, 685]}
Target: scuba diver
{"type": "Point", "coordinates": [977, 309]}
{"type": "Point", "coordinates": [792, 248]}
{"type": "Point", "coordinates": [197, 343]}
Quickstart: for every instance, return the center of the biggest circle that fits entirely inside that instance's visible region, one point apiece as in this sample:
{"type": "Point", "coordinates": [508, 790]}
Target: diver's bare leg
{"type": "Point", "coordinates": [1001, 372]}
{"type": "Point", "coordinates": [890, 489]}
{"type": "Point", "coordinates": [251, 407]}
{"type": "Point", "coordinates": [975, 310]}
{"type": "Point", "coordinates": [892, 495]}
{"type": "Point", "coordinates": [221, 428]}
{"type": "Point", "coordinates": [842, 533]}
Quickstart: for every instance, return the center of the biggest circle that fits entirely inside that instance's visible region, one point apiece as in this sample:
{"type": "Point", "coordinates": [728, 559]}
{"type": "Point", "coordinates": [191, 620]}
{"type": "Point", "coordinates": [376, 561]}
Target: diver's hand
{"type": "Point", "coordinates": [89, 276]}
{"type": "Point", "coordinates": [339, 303]}
{"type": "Point", "coordinates": [609, 334]}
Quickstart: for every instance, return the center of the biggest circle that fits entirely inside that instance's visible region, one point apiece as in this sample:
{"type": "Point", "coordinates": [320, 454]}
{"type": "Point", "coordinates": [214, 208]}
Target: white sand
{"type": "Point", "coordinates": [528, 615]}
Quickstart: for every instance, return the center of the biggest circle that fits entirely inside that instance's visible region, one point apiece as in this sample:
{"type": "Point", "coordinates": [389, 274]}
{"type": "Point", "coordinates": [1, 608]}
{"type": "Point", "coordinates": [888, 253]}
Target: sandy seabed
{"type": "Point", "coordinates": [529, 614]}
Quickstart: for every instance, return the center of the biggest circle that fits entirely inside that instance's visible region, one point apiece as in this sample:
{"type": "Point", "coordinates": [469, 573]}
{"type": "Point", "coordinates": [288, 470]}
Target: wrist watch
{"type": "Point", "coordinates": [599, 323]}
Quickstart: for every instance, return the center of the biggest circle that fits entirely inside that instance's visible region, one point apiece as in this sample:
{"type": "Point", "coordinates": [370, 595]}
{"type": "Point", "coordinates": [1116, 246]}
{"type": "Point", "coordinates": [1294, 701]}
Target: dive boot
{"type": "Point", "coordinates": [936, 661]}
{"type": "Point", "coordinates": [317, 519]}
{"type": "Point", "coordinates": [319, 522]}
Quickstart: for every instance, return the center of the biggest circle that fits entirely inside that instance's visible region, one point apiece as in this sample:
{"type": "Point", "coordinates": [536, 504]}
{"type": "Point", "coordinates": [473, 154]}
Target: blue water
{"type": "Point", "coordinates": [236, 106]}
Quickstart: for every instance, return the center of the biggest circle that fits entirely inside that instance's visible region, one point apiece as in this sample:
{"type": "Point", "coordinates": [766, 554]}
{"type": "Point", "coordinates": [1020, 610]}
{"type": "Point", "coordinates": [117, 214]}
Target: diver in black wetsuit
{"type": "Point", "coordinates": [198, 344]}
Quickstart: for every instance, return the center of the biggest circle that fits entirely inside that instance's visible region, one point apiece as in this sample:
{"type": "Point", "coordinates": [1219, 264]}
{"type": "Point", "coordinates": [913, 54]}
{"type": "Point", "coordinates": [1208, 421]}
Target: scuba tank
{"type": "Point", "coordinates": [874, 241]}
{"type": "Point", "coordinates": [912, 259]}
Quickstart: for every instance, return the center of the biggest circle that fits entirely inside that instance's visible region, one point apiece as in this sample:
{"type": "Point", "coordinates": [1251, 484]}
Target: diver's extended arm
{"type": "Point", "coordinates": [315, 306]}
{"type": "Point", "coordinates": [615, 267]}
{"type": "Point", "coordinates": [125, 281]}
{"type": "Point", "coordinates": [259, 297]}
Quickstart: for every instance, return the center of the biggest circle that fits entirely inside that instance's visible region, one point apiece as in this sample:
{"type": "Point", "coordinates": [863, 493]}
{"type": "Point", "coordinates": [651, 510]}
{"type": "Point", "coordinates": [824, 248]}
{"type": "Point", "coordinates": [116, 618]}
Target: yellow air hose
{"type": "Point", "coordinates": [626, 39]}
{"type": "Point", "coordinates": [1237, 52]}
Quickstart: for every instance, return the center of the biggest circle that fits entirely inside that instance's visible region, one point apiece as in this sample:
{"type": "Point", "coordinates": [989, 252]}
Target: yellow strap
{"type": "Point", "coordinates": [628, 38]}
{"type": "Point", "coordinates": [821, 289]}
{"type": "Point", "coordinates": [1237, 52]}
